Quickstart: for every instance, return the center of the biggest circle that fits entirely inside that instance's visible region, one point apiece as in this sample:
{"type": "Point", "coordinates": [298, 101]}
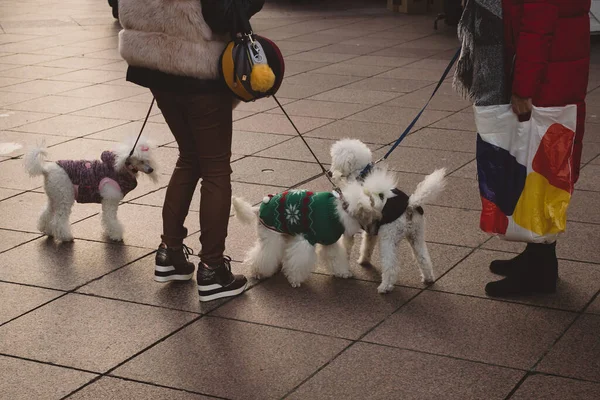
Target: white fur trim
{"type": "Point", "coordinates": [169, 36]}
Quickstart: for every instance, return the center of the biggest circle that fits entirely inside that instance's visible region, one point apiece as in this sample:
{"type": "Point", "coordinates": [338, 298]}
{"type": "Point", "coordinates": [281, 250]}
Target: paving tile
{"type": "Point", "coordinates": [352, 69]}
{"type": "Point", "coordinates": [81, 149]}
{"type": "Point", "coordinates": [119, 110]}
{"type": "Point", "coordinates": [442, 139]}
{"type": "Point", "coordinates": [55, 104]}
{"type": "Point", "coordinates": [297, 67]}
{"type": "Point", "coordinates": [43, 87]}
{"type": "Point", "coordinates": [443, 257]}
{"type": "Point", "coordinates": [34, 72]}
{"type": "Point", "coordinates": [88, 332]}
{"type": "Point", "coordinates": [105, 92]}
{"type": "Point", "coordinates": [272, 123]}
{"type": "Point", "coordinates": [344, 95]}
{"type": "Point", "coordinates": [368, 132]}
{"type": "Point", "coordinates": [580, 207]}
{"type": "Point", "coordinates": [142, 225]}
{"type": "Point", "coordinates": [404, 52]}
{"type": "Point", "coordinates": [394, 373]}
{"type": "Point", "coordinates": [27, 140]}
{"type": "Point", "coordinates": [468, 171]}
{"type": "Point", "coordinates": [576, 354]}
{"type": "Point", "coordinates": [594, 308]}
{"type": "Point", "coordinates": [72, 125]}
{"type": "Point", "coordinates": [260, 353]}
{"type": "Point", "coordinates": [72, 62]}
{"type": "Point", "coordinates": [382, 61]}
{"type": "Point", "coordinates": [89, 76]}
{"type": "Point", "coordinates": [6, 193]}
{"type": "Point", "coordinates": [6, 83]}
{"type": "Point", "coordinates": [272, 172]}
{"type": "Point", "coordinates": [119, 130]}
{"type": "Point", "coordinates": [21, 212]}
{"type": "Point", "coordinates": [7, 98]}
{"type": "Point", "coordinates": [322, 109]}
{"type": "Point", "coordinates": [389, 85]}
{"type": "Point", "coordinates": [425, 161]}
{"type": "Point", "coordinates": [247, 143]}
{"type": "Point", "coordinates": [63, 266]}
{"type": "Point", "coordinates": [410, 72]}
{"type": "Point", "coordinates": [301, 91]}
{"type": "Point", "coordinates": [136, 283]}
{"type": "Point", "coordinates": [356, 49]}
{"type": "Point", "coordinates": [544, 387]}
{"type": "Point", "coordinates": [13, 176]}
{"type": "Point", "coordinates": [399, 116]}
{"type": "Point", "coordinates": [29, 59]}
{"type": "Point", "coordinates": [24, 380]}
{"type": "Point", "coordinates": [442, 223]}
{"type": "Point", "coordinates": [323, 305]}
{"type": "Point", "coordinates": [114, 388]}
{"type": "Point", "coordinates": [461, 121]}
{"type": "Point", "coordinates": [10, 119]}
{"type": "Point", "coordinates": [295, 149]}
{"type": "Point", "coordinates": [577, 285]}
{"type": "Point", "coordinates": [315, 56]}
{"type": "Point", "coordinates": [589, 178]}
{"type": "Point", "coordinates": [440, 102]}
{"type": "Point", "coordinates": [510, 335]}
{"type": "Point", "coordinates": [18, 299]}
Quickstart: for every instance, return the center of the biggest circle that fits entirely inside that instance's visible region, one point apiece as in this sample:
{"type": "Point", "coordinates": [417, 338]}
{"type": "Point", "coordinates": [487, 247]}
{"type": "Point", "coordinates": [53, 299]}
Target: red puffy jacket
{"type": "Point", "coordinates": [549, 41]}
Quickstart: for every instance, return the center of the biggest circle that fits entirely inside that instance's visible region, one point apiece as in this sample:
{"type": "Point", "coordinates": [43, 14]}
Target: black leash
{"type": "Point", "coordinates": [325, 172]}
{"type": "Point", "coordinates": [143, 126]}
{"type": "Point", "coordinates": [414, 121]}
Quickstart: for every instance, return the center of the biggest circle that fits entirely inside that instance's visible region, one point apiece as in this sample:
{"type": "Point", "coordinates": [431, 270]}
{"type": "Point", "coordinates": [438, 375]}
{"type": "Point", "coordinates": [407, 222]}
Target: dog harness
{"type": "Point", "coordinates": [300, 212]}
{"type": "Point", "coordinates": [89, 177]}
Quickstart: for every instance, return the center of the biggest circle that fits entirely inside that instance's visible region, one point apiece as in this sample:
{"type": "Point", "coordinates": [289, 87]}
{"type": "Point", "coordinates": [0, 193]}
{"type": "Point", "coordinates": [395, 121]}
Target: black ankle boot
{"type": "Point", "coordinates": [509, 267]}
{"type": "Point", "coordinates": [537, 275]}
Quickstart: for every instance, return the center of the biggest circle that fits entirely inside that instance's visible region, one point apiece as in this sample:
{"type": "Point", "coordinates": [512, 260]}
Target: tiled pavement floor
{"type": "Point", "coordinates": [86, 321]}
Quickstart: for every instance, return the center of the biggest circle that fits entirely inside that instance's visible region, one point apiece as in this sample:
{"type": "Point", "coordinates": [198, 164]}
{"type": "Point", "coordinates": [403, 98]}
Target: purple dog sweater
{"type": "Point", "coordinates": [88, 177]}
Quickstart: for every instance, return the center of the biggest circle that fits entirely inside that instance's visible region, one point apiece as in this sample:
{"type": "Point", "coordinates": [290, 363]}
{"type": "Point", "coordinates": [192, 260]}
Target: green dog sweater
{"type": "Point", "coordinates": [300, 212]}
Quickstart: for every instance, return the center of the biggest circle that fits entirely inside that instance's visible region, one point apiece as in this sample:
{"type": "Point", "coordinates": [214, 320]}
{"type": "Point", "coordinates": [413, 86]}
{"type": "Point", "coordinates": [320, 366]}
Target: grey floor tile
{"type": "Point", "coordinates": [425, 161]}
{"type": "Point", "coordinates": [18, 299]}
{"type": "Point", "coordinates": [321, 109]}
{"type": "Point", "coordinates": [461, 121]}
{"type": "Point", "coordinates": [442, 223]}
{"type": "Point", "coordinates": [113, 388]}
{"type": "Point", "coordinates": [10, 239]}
{"type": "Point", "coordinates": [510, 335]}
{"type": "Point", "coordinates": [544, 387]}
{"type": "Point", "coordinates": [158, 134]}
{"type": "Point", "coordinates": [442, 139]}
{"type": "Point", "coordinates": [273, 123]}
{"type": "Point", "coordinates": [26, 380]}
{"type": "Point", "coordinates": [88, 332]}
{"type": "Point", "coordinates": [323, 305]}
{"type": "Point", "coordinates": [581, 204]}
{"type": "Point", "coordinates": [577, 285]}
{"type": "Point", "coordinates": [368, 371]}
{"type": "Point", "coordinates": [594, 308]}
{"type": "Point", "coordinates": [29, 140]}
{"type": "Point", "coordinates": [589, 178]}
{"type": "Point", "coordinates": [272, 172]}
{"type": "Point", "coordinates": [63, 266]}
{"type": "Point", "coordinates": [264, 362]}
{"type": "Point", "coordinates": [576, 354]}
{"type": "Point", "coordinates": [368, 132]}
{"type": "Point", "coordinates": [247, 143]}
{"type": "Point", "coordinates": [344, 95]}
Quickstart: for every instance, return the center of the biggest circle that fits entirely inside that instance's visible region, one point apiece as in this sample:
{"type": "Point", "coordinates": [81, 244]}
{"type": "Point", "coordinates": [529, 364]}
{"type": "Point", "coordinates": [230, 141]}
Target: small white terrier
{"type": "Point", "coordinates": [296, 226]}
{"type": "Point", "coordinates": [402, 215]}
{"type": "Point", "coordinates": [104, 181]}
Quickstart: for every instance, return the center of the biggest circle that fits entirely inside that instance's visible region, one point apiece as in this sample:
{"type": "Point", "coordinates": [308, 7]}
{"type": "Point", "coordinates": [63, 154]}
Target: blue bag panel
{"type": "Point", "coordinates": [501, 177]}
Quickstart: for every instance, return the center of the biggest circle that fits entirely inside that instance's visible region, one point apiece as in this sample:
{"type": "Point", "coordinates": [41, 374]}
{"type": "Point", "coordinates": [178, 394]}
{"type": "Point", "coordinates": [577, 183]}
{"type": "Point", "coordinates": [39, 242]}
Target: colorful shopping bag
{"type": "Point", "coordinates": [525, 171]}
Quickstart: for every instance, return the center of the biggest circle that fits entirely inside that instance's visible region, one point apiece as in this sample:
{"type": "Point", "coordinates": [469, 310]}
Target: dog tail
{"type": "Point", "coordinates": [244, 210]}
{"type": "Point", "coordinates": [429, 188]}
{"type": "Point", "coordinates": [34, 161]}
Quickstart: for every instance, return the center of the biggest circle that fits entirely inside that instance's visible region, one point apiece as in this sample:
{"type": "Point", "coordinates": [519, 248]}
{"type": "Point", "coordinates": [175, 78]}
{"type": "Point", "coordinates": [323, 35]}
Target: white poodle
{"type": "Point", "coordinates": [105, 181]}
{"type": "Point", "coordinates": [296, 226]}
{"type": "Point", "coordinates": [402, 215]}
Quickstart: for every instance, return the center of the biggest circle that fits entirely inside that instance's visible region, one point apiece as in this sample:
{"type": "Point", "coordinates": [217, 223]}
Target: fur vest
{"type": "Point", "coordinates": [169, 36]}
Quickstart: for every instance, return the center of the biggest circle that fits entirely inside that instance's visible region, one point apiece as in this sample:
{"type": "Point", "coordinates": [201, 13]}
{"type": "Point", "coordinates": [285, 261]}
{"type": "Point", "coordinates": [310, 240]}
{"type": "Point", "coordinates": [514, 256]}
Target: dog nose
{"type": "Point", "coordinates": [150, 170]}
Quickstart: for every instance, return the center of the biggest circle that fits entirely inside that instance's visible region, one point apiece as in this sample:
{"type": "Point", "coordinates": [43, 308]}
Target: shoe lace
{"type": "Point", "coordinates": [227, 262]}
{"type": "Point", "coordinates": [187, 251]}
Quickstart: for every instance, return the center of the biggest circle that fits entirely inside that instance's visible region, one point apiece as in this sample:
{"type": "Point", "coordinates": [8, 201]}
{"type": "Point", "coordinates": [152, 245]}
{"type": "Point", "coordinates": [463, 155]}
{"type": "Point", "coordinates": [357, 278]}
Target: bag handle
{"type": "Point", "coordinates": [240, 14]}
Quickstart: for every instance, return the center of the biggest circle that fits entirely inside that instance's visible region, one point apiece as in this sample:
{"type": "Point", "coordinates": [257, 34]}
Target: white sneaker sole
{"type": "Point", "coordinates": [220, 295]}
{"type": "Point", "coordinates": [169, 278]}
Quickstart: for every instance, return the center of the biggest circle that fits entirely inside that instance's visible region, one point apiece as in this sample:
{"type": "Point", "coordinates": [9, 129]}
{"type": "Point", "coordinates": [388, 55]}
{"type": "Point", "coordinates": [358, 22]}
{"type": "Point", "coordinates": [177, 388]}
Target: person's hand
{"type": "Point", "coordinates": [522, 107]}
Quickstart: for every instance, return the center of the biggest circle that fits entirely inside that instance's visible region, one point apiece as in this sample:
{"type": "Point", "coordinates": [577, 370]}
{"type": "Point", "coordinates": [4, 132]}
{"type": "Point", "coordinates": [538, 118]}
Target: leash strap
{"type": "Point", "coordinates": [325, 172]}
{"type": "Point", "coordinates": [414, 121]}
{"type": "Point", "coordinates": [143, 126]}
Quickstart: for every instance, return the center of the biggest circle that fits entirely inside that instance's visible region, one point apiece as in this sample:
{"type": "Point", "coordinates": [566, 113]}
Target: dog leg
{"type": "Point", "coordinates": [45, 224]}
{"type": "Point", "coordinates": [390, 267]}
{"type": "Point", "coordinates": [266, 255]}
{"type": "Point", "coordinates": [112, 227]}
{"type": "Point", "coordinates": [299, 258]}
{"type": "Point", "coordinates": [61, 198]}
{"type": "Point", "coordinates": [366, 249]}
{"type": "Point", "coordinates": [419, 247]}
{"type": "Point", "coordinates": [335, 258]}
{"type": "Point", "coordinates": [348, 244]}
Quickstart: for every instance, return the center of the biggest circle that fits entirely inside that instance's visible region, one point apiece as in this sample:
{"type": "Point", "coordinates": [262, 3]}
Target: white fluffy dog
{"type": "Point", "coordinates": [402, 215]}
{"type": "Point", "coordinates": [295, 227]}
{"type": "Point", "coordinates": [105, 181]}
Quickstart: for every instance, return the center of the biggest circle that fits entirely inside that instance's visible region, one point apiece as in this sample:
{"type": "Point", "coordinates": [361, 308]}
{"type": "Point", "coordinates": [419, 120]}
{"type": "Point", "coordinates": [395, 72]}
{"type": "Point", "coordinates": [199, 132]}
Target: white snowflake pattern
{"type": "Point", "coordinates": [292, 214]}
{"type": "Point", "coordinates": [297, 191]}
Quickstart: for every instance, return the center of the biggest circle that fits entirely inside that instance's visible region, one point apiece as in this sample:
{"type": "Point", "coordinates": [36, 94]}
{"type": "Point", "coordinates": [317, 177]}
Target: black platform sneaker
{"type": "Point", "coordinates": [217, 281]}
{"type": "Point", "coordinates": [173, 264]}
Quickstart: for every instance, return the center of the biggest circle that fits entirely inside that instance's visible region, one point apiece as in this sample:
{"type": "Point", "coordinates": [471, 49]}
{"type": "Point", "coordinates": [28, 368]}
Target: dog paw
{"type": "Point", "coordinates": [427, 280]}
{"type": "Point", "coordinates": [384, 288]}
{"type": "Point", "coordinates": [65, 239]}
{"type": "Point", "coordinates": [295, 284]}
{"type": "Point", "coordinates": [365, 264]}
